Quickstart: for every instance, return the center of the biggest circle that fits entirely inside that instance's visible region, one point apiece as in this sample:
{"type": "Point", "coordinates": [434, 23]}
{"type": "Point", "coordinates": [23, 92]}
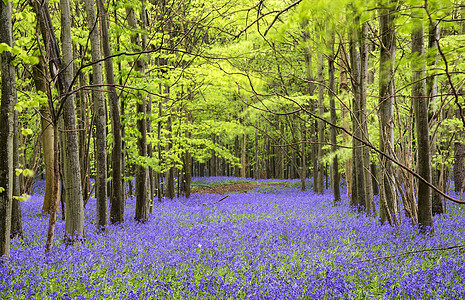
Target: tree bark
{"type": "Point", "coordinates": [432, 93]}
{"type": "Point", "coordinates": [141, 173]}
{"type": "Point", "coordinates": [321, 130]}
{"type": "Point", "coordinates": [99, 118]}
{"type": "Point", "coordinates": [388, 196]}
{"type": "Point", "coordinates": [334, 171]}
{"type": "Point", "coordinates": [425, 215]}
{"type": "Point", "coordinates": [367, 178]}
{"type": "Point", "coordinates": [72, 174]}
{"type": "Point", "coordinates": [7, 103]}
{"type": "Point", "coordinates": [358, 182]}
{"type": "Point", "coordinates": [116, 198]}
{"type": "Point", "coordinates": [16, 217]}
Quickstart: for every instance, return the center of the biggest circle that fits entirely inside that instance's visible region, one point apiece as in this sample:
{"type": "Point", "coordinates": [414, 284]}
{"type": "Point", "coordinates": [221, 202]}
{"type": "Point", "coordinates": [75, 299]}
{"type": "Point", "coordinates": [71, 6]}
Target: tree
{"type": "Point", "coordinates": [8, 100]}
{"type": "Point", "coordinates": [100, 117]}
{"type": "Point", "coordinates": [425, 216]}
{"type": "Point", "coordinates": [141, 173]}
{"type": "Point", "coordinates": [388, 196]}
{"type": "Point", "coordinates": [333, 134]}
{"type": "Point", "coordinates": [116, 197]}
{"type": "Point", "coordinates": [74, 227]}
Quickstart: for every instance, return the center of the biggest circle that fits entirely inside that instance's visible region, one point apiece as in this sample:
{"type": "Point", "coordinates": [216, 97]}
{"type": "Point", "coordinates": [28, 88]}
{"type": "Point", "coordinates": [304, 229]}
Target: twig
{"type": "Point", "coordinates": [216, 201]}
{"type": "Point", "coordinates": [411, 252]}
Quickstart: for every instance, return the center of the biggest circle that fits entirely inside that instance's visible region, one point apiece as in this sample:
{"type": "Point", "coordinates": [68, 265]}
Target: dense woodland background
{"type": "Point", "coordinates": [139, 96]}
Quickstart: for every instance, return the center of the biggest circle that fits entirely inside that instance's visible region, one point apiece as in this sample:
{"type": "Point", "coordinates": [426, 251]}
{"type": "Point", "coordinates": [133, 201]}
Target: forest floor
{"type": "Point", "coordinates": [242, 187]}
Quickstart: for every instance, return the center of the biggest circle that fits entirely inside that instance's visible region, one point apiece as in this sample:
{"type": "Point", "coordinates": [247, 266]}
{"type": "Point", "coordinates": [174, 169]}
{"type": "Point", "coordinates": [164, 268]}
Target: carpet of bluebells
{"type": "Point", "coordinates": [270, 243]}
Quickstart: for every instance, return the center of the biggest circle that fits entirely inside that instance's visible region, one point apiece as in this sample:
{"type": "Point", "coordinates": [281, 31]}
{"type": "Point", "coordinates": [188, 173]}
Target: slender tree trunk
{"type": "Point", "coordinates": [303, 165]}
{"type": "Point", "coordinates": [432, 93]}
{"type": "Point", "coordinates": [367, 178]}
{"type": "Point", "coordinates": [7, 103]}
{"type": "Point", "coordinates": [425, 215]}
{"type": "Point", "coordinates": [321, 129]}
{"type": "Point", "coordinates": [388, 195]}
{"type": "Point", "coordinates": [170, 188]}
{"type": "Point", "coordinates": [16, 217]}
{"type": "Point", "coordinates": [358, 182]}
{"type": "Point", "coordinates": [99, 118]}
{"type": "Point", "coordinates": [243, 160]}
{"type": "Point", "coordinates": [334, 172]}
{"type": "Point", "coordinates": [38, 73]}
{"type": "Point", "coordinates": [116, 198]}
{"type": "Point", "coordinates": [141, 172]}
{"type": "Point", "coordinates": [72, 173]}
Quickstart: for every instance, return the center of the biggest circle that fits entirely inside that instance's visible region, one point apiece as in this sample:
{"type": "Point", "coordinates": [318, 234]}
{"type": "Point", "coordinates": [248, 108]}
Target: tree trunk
{"type": "Point", "coordinates": [8, 101]}
{"type": "Point", "coordinates": [99, 117]}
{"type": "Point", "coordinates": [367, 179]}
{"type": "Point", "coordinates": [388, 195]}
{"type": "Point", "coordinates": [141, 172]}
{"type": "Point", "coordinates": [16, 217]}
{"type": "Point", "coordinates": [243, 160]}
{"type": "Point", "coordinates": [334, 172]}
{"type": "Point", "coordinates": [170, 188]}
{"type": "Point", "coordinates": [40, 82]}
{"type": "Point", "coordinates": [358, 181]}
{"type": "Point", "coordinates": [72, 174]}
{"type": "Point", "coordinates": [321, 129]}
{"type": "Point", "coordinates": [432, 93]}
{"type": "Point", "coordinates": [425, 215]}
{"type": "Point", "coordinates": [116, 198]}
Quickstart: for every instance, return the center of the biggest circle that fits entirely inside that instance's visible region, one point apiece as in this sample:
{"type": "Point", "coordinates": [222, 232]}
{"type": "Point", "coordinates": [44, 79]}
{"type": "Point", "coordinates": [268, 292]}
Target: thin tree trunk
{"type": "Point", "coordinates": [72, 174]}
{"type": "Point", "coordinates": [432, 93]}
{"type": "Point", "coordinates": [38, 74]}
{"type": "Point", "coordinates": [99, 117]}
{"type": "Point", "coordinates": [7, 103]}
{"type": "Point", "coordinates": [141, 172]}
{"type": "Point", "coordinates": [369, 198]}
{"type": "Point", "coordinates": [425, 215]}
{"type": "Point", "coordinates": [334, 172]}
{"type": "Point", "coordinates": [358, 181]}
{"type": "Point", "coordinates": [388, 193]}
{"type": "Point", "coordinates": [321, 130]}
{"type": "Point", "coordinates": [16, 217]}
{"type": "Point", "coordinates": [243, 156]}
{"type": "Point", "coordinates": [116, 198]}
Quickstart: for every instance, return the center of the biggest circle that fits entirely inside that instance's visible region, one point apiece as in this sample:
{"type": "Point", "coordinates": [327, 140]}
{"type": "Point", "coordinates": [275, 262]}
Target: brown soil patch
{"type": "Point", "coordinates": [242, 187]}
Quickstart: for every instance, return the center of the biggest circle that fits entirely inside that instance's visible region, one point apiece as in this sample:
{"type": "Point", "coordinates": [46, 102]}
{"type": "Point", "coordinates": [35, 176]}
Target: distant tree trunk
{"type": "Point", "coordinates": [432, 93]}
{"type": "Point", "coordinates": [170, 189]}
{"type": "Point", "coordinates": [7, 103]}
{"type": "Point", "coordinates": [116, 198]}
{"type": "Point", "coordinates": [141, 173]}
{"type": "Point", "coordinates": [358, 181]}
{"type": "Point", "coordinates": [72, 174]}
{"type": "Point", "coordinates": [373, 179]}
{"type": "Point", "coordinates": [40, 82]}
{"type": "Point", "coordinates": [425, 215]}
{"type": "Point", "coordinates": [237, 150]}
{"type": "Point", "coordinates": [99, 117]}
{"type": "Point", "coordinates": [388, 195]}
{"type": "Point", "coordinates": [367, 178]}
{"type": "Point", "coordinates": [321, 129]}
{"type": "Point", "coordinates": [334, 172]}
{"type": "Point", "coordinates": [243, 160]}
{"type": "Point", "coordinates": [16, 217]}
{"type": "Point", "coordinates": [344, 90]}
{"type": "Point", "coordinates": [303, 165]}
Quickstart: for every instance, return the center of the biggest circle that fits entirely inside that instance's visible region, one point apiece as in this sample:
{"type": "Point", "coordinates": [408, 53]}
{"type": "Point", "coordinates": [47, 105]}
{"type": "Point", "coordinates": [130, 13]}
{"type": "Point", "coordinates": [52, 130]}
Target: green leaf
{"type": "Point", "coordinates": [2, 189]}
{"type": "Point", "coordinates": [26, 131]}
{"type": "Point", "coordinates": [28, 173]}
